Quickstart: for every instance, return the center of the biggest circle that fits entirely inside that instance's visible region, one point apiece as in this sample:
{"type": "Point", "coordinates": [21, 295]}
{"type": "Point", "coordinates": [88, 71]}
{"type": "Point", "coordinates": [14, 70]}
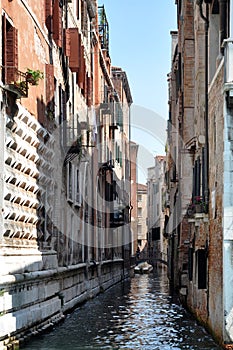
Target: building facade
{"type": "Point", "coordinates": [64, 163]}
{"type": "Point", "coordinates": [199, 162]}
{"type": "Point", "coordinates": [156, 195]}
{"type": "Point", "coordinates": [142, 220]}
{"type": "Point", "coordinates": [134, 214]}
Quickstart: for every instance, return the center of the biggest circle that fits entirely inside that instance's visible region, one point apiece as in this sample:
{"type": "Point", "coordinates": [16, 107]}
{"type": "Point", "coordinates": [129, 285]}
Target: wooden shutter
{"type": "Point", "coordinates": [84, 21]}
{"type": "Point", "coordinates": [64, 127]}
{"type": "Point", "coordinates": [48, 14]}
{"type": "Point", "coordinates": [66, 37]}
{"type": "Point", "coordinates": [75, 40]}
{"type": "Point", "coordinates": [11, 54]}
{"type": "Point", "coordinates": [82, 70]}
{"type": "Point", "coordinates": [85, 86]}
{"type": "Point", "coordinates": [49, 75]}
{"type": "Point", "coordinates": [89, 91]}
{"type": "Point", "coordinates": [41, 112]}
{"type": "Point", "coordinates": [4, 48]}
{"type": "Point", "coordinates": [57, 23]}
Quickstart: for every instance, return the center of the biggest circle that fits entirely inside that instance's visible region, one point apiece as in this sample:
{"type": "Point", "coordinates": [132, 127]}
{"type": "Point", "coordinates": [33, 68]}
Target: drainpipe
{"type": "Point", "coordinates": [206, 177]}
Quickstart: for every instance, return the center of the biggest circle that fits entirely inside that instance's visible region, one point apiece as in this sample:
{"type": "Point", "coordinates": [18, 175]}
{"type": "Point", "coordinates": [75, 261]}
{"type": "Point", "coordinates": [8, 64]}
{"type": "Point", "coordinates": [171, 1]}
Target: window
{"type": "Point", "coordinates": [120, 159]}
{"type": "Point", "coordinates": [77, 189]}
{"type": "Point", "coordinates": [9, 51]}
{"type": "Point", "coordinates": [77, 8]}
{"type": "Point", "coordinates": [156, 234]}
{"type": "Point", "coordinates": [57, 22]}
{"type": "Point", "coordinates": [139, 228]}
{"type": "Point", "coordinates": [201, 268]}
{"type": "Point", "coordinates": [139, 212]}
{"type": "Point", "coordinates": [190, 263]}
{"type": "Point", "coordinates": [156, 188]}
{"type": "Point", "coordinates": [139, 197]}
{"type": "Point", "coordinates": [50, 88]}
{"type": "Point", "coordinates": [69, 182]}
{"type": "Point", "coordinates": [84, 18]}
{"type": "Point", "coordinates": [62, 116]}
{"type": "Point", "coordinates": [48, 14]}
{"type": "Point", "coordinates": [218, 31]}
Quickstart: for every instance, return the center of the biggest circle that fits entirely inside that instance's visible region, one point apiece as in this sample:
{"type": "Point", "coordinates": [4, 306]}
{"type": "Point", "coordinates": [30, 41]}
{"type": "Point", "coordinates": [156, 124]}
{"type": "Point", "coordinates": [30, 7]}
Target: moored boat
{"type": "Point", "coordinates": [143, 267]}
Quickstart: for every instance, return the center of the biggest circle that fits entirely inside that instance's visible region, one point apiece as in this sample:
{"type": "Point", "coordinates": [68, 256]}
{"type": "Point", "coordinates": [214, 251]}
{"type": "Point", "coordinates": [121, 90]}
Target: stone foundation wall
{"type": "Point", "coordinates": [32, 302]}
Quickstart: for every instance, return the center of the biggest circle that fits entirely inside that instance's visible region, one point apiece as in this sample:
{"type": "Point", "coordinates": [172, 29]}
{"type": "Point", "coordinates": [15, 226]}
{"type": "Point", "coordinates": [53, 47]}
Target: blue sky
{"type": "Point", "coordinates": [140, 44]}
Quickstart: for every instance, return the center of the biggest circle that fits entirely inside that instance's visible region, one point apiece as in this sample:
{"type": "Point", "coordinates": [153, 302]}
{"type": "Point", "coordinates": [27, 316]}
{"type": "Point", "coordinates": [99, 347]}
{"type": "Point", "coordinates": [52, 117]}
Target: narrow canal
{"type": "Point", "coordinates": [138, 314]}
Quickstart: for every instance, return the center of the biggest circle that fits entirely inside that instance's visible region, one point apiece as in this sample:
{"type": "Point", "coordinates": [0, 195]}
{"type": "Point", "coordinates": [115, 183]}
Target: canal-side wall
{"type": "Point", "coordinates": [32, 302]}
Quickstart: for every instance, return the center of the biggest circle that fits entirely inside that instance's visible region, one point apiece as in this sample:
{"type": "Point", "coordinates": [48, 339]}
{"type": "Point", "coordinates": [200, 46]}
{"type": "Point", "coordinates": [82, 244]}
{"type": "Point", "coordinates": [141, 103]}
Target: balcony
{"type": "Point", "coordinates": [197, 210]}
{"type": "Point", "coordinates": [15, 81]}
{"type": "Point", "coordinates": [103, 29]}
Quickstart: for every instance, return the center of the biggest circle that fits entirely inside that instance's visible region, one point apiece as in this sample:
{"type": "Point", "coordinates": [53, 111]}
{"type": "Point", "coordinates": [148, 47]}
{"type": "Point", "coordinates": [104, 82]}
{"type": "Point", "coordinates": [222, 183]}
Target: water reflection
{"type": "Point", "coordinates": [139, 314]}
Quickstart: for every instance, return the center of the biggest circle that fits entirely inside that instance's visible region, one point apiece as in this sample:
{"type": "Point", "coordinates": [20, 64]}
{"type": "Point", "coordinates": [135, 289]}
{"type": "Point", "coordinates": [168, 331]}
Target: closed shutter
{"type": "Point", "coordinates": [84, 20]}
{"type": "Point", "coordinates": [75, 39]}
{"type": "Point", "coordinates": [82, 70]}
{"type": "Point", "coordinates": [85, 86]}
{"type": "Point", "coordinates": [89, 91]}
{"type": "Point", "coordinates": [64, 128]}
{"type": "Point", "coordinates": [11, 54]}
{"type": "Point", "coordinates": [4, 48]}
{"type": "Point", "coordinates": [49, 73]}
{"type": "Point", "coordinates": [66, 42]}
{"type": "Point", "coordinates": [41, 112]}
{"type": "Point", "coordinates": [57, 23]}
{"type": "Point", "coordinates": [48, 14]}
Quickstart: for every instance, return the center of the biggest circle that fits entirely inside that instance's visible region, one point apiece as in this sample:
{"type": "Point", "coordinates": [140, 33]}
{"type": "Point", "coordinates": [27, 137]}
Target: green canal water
{"type": "Point", "coordinates": [137, 314]}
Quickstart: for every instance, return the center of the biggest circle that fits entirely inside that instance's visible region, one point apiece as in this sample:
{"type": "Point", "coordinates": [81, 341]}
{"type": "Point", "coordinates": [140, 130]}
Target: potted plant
{"type": "Point", "coordinates": [33, 76]}
{"type": "Point", "coordinates": [20, 87]}
{"type": "Point", "coordinates": [200, 205]}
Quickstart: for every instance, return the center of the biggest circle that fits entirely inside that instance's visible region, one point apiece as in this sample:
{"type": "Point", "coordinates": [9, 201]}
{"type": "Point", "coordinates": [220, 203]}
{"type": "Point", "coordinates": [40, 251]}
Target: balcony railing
{"type": "Point", "coordinates": [103, 28]}
{"type": "Point", "coordinates": [15, 81]}
{"type": "Point", "coordinates": [197, 206]}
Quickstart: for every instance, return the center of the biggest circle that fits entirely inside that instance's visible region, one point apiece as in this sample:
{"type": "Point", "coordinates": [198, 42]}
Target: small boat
{"type": "Point", "coordinates": [143, 267]}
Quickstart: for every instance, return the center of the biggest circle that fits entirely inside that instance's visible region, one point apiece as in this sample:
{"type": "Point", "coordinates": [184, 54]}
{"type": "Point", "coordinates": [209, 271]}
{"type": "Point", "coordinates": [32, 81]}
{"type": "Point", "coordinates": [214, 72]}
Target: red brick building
{"type": "Point", "coordinates": [199, 163]}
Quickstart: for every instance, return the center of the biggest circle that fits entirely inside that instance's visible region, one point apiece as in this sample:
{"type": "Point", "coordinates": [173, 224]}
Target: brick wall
{"type": "Point", "coordinates": [215, 256]}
